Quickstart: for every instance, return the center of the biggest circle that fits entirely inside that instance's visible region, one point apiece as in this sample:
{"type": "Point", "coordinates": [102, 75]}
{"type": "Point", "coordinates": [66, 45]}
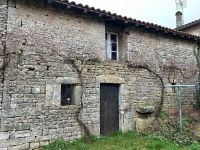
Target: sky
{"type": "Point", "coordinates": [160, 12]}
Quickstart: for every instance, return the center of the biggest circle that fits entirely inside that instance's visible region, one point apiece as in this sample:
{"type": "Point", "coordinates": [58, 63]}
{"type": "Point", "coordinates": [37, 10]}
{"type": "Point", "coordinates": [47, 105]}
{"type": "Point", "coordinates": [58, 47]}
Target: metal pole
{"type": "Point", "coordinates": [180, 109]}
{"type": "Point", "coordinates": [179, 86]}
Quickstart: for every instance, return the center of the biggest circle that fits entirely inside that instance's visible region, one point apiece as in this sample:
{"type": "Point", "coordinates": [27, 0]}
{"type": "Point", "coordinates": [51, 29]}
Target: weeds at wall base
{"type": "Point", "coordinates": [167, 127]}
{"type": "Point", "coordinates": [121, 141]}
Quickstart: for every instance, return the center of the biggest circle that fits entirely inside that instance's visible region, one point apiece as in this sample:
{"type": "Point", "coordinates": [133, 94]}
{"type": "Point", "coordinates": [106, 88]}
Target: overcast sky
{"type": "Point", "coordinates": [161, 12]}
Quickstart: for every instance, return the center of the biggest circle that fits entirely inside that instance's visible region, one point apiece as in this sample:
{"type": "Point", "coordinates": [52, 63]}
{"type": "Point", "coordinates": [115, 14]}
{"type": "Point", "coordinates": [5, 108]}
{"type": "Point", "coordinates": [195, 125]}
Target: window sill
{"type": "Point", "coordinates": [71, 106]}
{"type": "Point", "coordinates": [114, 61]}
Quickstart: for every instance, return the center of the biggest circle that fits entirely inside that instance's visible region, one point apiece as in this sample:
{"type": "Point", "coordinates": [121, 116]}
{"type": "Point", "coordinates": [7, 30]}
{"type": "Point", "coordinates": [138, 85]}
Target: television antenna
{"type": "Point", "coordinates": [180, 5]}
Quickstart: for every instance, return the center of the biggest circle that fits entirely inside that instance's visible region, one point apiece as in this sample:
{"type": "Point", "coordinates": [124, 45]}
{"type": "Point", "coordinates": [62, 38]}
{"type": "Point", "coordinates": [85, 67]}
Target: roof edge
{"type": "Point", "coordinates": [125, 20]}
{"type": "Point", "coordinates": [188, 25]}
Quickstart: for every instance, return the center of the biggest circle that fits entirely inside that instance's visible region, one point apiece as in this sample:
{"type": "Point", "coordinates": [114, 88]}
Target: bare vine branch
{"type": "Point", "coordinates": [159, 109]}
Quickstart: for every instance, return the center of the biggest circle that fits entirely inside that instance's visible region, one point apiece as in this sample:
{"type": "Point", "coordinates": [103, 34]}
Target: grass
{"type": "Point", "coordinates": [118, 141]}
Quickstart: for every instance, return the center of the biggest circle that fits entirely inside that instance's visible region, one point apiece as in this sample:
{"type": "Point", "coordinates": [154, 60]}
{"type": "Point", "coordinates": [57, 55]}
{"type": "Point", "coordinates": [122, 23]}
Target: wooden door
{"type": "Point", "coordinates": [109, 108]}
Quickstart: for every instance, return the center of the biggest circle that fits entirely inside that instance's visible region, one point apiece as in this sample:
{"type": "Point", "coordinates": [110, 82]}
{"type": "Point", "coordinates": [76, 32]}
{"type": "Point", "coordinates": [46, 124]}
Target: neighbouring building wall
{"type": "Point", "coordinates": [49, 47]}
{"type": "Point", "coordinates": [195, 30]}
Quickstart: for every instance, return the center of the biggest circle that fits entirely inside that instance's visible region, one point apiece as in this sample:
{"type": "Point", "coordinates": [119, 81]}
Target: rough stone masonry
{"type": "Point", "coordinates": [37, 47]}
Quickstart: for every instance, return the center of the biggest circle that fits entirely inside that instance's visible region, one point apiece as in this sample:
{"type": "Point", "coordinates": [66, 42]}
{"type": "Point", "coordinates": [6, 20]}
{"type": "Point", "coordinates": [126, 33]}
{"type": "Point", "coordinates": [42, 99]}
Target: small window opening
{"type": "Point", "coordinates": [67, 94]}
{"type": "Point", "coordinates": [111, 42]}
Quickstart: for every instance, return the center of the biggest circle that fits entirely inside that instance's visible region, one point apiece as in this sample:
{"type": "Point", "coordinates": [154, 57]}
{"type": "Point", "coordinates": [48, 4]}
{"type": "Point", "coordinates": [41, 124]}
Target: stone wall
{"type": "Point", "coordinates": [42, 42]}
{"type": "Point", "coordinates": [3, 26]}
{"type": "Point", "coordinates": [162, 54]}
{"type": "Point", "coordinates": [195, 30]}
{"type": "Point", "coordinates": [39, 43]}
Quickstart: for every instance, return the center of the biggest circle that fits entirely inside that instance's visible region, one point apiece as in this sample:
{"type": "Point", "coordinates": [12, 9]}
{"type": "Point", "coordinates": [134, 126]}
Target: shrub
{"type": "Point", "coordinates": [167, 128]}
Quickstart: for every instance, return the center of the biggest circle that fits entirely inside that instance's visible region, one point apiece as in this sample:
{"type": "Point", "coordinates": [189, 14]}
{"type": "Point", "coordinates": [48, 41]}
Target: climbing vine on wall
{"type": "Point", "coordinates": [53, 52]}
{"type": "Point", "coordinates": [167, 73]}
{"type": "Point", "coordinates": [146, 67]}
{"type": "Point", "coordinates": [197, 56]}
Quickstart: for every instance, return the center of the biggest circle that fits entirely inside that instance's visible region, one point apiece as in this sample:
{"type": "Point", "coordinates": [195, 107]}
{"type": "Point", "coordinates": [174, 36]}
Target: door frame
{"type": "Point", "coordinates": [110, 79]}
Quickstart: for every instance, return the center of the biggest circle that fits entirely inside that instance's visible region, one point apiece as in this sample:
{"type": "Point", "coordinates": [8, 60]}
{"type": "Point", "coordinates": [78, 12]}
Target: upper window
{"type": "Point", "coordinates": [111, 45]}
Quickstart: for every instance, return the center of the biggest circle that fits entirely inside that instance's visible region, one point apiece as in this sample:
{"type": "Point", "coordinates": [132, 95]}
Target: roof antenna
{"type": "Point", "coordinates": [180, 5]}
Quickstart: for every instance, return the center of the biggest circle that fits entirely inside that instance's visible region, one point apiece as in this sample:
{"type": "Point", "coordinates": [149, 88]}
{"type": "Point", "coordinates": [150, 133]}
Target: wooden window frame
{"type": "Point", "coordinates": [108, 45]}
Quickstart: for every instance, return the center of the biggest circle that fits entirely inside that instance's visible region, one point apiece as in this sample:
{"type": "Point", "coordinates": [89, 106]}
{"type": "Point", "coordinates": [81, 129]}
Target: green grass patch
{"type": "Point", "coordinates": [119, 141]}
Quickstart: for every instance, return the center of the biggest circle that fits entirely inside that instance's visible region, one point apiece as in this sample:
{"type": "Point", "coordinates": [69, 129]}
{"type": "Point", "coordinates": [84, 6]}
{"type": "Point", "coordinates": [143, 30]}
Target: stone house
{"type": "Point", "coordinates": [191, 28]}
{"type": "Point", "coordinates": [64, 64]}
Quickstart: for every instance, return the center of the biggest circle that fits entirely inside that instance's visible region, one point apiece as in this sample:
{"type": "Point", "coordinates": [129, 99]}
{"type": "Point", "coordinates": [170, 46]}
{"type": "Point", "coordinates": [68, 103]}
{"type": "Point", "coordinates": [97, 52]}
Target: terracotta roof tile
{"type": "Point", "coordinates": [157, 28]}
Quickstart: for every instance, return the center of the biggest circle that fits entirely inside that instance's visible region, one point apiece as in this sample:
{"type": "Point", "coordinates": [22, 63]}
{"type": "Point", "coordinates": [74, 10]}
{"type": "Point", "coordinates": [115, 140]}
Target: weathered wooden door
{"type": "Point", "coordinates": [109, 108]}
